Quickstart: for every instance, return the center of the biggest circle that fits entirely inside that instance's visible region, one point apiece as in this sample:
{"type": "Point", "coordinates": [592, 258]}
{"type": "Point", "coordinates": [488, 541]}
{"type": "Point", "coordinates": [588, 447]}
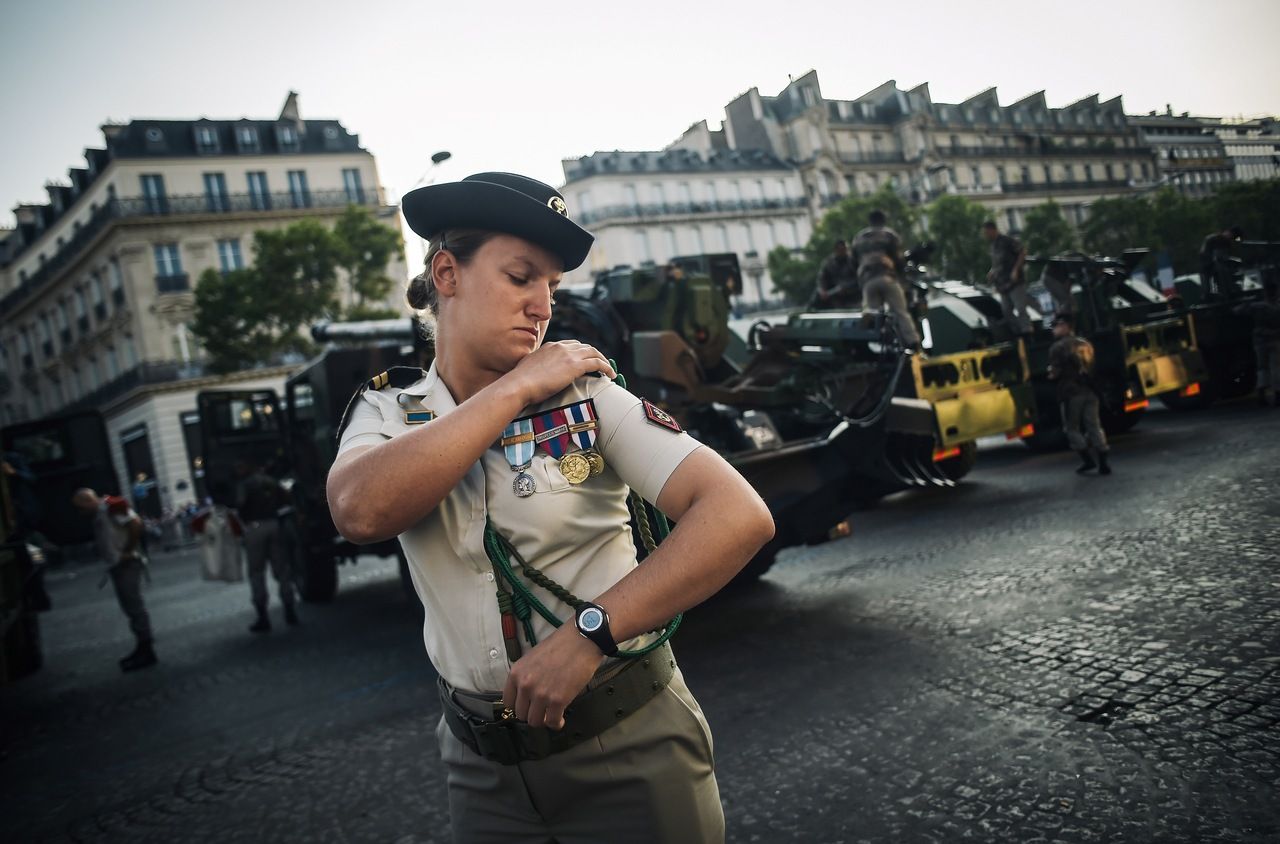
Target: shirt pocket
{"type": "Point", "coordinates": [546, 474]}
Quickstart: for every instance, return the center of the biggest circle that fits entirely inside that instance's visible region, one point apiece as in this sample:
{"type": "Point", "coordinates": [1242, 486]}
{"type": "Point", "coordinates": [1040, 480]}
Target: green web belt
{"type": "Point", "coordinates": [520, 603]}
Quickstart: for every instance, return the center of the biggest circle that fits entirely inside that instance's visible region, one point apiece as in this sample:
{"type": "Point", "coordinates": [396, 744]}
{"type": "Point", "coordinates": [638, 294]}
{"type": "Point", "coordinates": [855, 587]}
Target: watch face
{"type": "Point", "coordinates": [591, 619]}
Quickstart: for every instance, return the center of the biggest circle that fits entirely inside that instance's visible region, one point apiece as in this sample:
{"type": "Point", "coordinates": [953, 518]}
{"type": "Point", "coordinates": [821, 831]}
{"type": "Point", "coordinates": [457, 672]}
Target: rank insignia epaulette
{"type": "Point", "coordinates": [660, 417]}
{"type": "Point", "coordinates": [397, 376]}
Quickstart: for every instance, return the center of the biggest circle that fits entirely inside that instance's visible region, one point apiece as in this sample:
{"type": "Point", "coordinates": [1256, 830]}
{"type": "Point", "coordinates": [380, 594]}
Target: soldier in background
{"type": "Point", "coordinates": [1007, 259]}
{"type": "Point", "coordinates": [838, 281]}
{"type": "Point", "coordinates": [1056, 278]}
{"type": "Point", "coordinates": [258, 506]}
{"type": "Point", "coordinates": [1216, 275]}
{"type": "Point", "coordinates": [118, 532]}
{"type": "Point", "coordinates": [1266, 341]}
{"type": "Point", "coordinates": [1071, 366]}
{"type": "Point", "coordinates": [877, 250]}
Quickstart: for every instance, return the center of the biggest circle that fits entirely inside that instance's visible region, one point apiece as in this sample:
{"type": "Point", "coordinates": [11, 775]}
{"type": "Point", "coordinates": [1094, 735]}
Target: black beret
{"type": "Point", "coordinates": [500, 202]}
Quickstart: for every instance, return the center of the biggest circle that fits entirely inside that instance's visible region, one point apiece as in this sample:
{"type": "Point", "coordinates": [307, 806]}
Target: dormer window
{"type": "Point", "coordinates": [206, 140]}
{"type": "Point", "coordinates": [155, 141]}
{"type": "Point", "coordinates": [287, 138]}
{"type": "Point", "coordinates": [247, 139]}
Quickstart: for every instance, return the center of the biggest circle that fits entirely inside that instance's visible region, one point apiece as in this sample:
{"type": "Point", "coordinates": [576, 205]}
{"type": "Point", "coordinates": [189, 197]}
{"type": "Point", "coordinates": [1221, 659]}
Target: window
{"type": "Point", "coordinates": [673, 249]}
{"type": "Point", "coordinates": [659, 196]}
{"type": "Point", "coordinates": [1069, 171]}
{"type": "Point", "coordinates": [748, 237]}
{"type": "Point", "coordinates": [82, 310]}
{"type": "Point", "coordinates": [169, 275]}
{"type": "Point", "coordinates": [629, 195]}
{"type": "Point", "coordinates": [299, 195]}
{"type": "Point", "coordinates": [206, 140]}
{"type": "Point", "coordinates": [1000, 175]}
{"type": "Point", "coordinates": [1026, 175]}
{"type": "Point", "coordinates": [63, 321]}
{"type": "Point", "coordinates": [98, 294]}
{"type": "Point", "coordinates": [975, 177]}
{"type": "Point", "coordinates": [711, 193]}
{"type": "Point", "coordinates": [287, 137]}
{"type": "Point", "coordinates": [153, 193]}
{"type": "Point", "coordinates": [259, 196]}
{"type": "Point", "coordinates": [354, 188]}
{"type": "Point", "coordinates": [46, 335]}
{"type": "Point", "coordinates": [699, 244]}
{"type": "Point", "coordinates": [215, 192]}
{"type": "Point", "coordinates": [247, 138]}
{"type": "Point", "coordinates": [115, 282]}
{"type": "Point", "coordinates": [229, 257]}
{"type": "Point", "coordinates": [1088, 172]}
{"type": "Point", "coordinates": [795, 233]}
{"type": "Point", "coordinates": [1111, 175]}
{"type": "Point", "coordinates": [1048, 174]}
{"type": "Point", "coordinates": [723, 233]}
{"type": "Point", "coordinates": [113, 363]}
{"type": "Point", "coordinates": [642, 246]}
{"type": "Point", "coordinates": [686, 195]}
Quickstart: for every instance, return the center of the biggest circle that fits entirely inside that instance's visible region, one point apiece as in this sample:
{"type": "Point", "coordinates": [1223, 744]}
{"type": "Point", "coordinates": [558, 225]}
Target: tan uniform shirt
{"type": "Point", "coordinates": [577, 535]}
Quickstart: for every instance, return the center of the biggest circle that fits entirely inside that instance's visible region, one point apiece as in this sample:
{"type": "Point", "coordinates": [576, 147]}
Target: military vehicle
{"type": "Point", "coordinates": [1143, 347]}
{"type": "Point", "coordinates": [822, 413]}
{"type": "Point", "coordinates": [1223, 333]}
{"type": "Point", "coordinates": [293, 438]}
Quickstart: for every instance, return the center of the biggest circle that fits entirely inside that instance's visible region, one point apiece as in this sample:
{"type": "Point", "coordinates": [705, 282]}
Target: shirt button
{"type": "Point", "coordinates": [493, 653]}
{"type": "Point", "coordinates": [488, 576]}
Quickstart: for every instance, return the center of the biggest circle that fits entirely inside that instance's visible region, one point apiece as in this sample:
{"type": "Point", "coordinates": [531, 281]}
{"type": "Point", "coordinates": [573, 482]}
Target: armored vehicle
{"type": "Point", "coordinates": [293, 438]}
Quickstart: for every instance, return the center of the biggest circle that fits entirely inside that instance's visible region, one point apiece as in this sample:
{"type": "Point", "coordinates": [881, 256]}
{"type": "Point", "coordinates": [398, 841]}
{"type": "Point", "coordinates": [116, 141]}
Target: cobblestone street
{"type": "Point", "coordinates": [1033, 656]}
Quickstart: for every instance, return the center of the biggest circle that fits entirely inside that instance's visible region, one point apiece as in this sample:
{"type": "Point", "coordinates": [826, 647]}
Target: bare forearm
{"type": "Point", "coordinates": [384, 490]}
{"type": "Point", "coordinates": [701, 555]}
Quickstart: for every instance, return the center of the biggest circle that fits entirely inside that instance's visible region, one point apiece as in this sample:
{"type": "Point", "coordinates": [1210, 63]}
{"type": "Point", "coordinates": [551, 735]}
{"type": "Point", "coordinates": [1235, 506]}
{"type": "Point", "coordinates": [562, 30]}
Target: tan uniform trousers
{"type": "Point", "coordinates": [650, 780]}
{"type": "Point", "coordinates": [262, 542]}
{"type": "Point", "coordinates": [882, 290]}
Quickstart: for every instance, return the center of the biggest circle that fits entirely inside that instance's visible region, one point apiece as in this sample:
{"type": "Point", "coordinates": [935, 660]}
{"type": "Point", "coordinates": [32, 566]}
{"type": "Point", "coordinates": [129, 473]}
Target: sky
{"type": "Point", "coordinates": [519, 86]}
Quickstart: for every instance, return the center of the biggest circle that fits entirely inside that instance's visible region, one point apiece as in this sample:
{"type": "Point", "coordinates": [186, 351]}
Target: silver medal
{"type": "Point", "coordinates": [524, 485]}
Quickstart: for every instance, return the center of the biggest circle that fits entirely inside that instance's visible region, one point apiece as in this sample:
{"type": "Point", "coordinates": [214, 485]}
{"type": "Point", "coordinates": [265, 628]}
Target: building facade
{"type": "Point", "coordinates": [696, 196]}
{"type": "Point", "coordinates": [1008, 157]}
{"type": "Point", "coordinates": [96, 285]}
{"type": "Point", "coordinates": [1189, 155]}
{"type": "Point", "coordinates": [1252, 146]}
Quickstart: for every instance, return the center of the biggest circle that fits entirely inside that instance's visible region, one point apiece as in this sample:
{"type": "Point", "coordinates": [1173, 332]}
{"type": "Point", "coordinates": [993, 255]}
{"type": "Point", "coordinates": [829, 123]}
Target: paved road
{"type": "Point", "coordinates": [1034, 656]}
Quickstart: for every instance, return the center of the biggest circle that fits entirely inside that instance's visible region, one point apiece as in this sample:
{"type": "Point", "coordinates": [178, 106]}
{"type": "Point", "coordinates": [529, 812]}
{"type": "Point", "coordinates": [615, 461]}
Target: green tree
{"type": "Point", "coordinates": [1118, 223]}
{"type": "Point", "coordinates": [954, 228]}
{"type": "Point", "coordinates": [252, 316]}
{"type": "Point", "coordinates": [796, 275]}
{"type": "Point", "coordinates": [1179, 224]}
{"type": "Point", "coordinates": [1254, 206]}
{"type": "Point", "coordinates": [364, 247]}
{"type": "Point", "coordinates": [1047, 231]}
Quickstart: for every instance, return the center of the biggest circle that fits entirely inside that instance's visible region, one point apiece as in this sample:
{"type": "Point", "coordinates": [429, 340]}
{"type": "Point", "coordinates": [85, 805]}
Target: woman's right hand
{"type": "Point", "coordinates": [554, 366]}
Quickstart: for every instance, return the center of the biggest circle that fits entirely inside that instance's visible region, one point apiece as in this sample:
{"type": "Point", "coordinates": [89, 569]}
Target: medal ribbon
{"type": "Point", "coordinates": [551, 431]}
{"type": "Point", "coordinates": [582, 423]}
{"type": "Point", "coordinates": [517, 444]}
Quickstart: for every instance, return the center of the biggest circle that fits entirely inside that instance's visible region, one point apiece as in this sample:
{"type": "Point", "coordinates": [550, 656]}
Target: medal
{"type": "Point", "coordinates": [575, 467]}
{"type": "Point", "coordinates": [596, 461]}
{"type": "Point", "coordinates": [518, 446]}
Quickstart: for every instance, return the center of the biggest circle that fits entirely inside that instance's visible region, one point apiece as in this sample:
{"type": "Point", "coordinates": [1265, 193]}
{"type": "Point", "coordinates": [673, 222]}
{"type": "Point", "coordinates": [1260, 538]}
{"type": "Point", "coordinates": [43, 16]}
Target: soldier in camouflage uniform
{"type": "Point", "coordinates": [1071, 366]}
{"type": "Point", "coordinates": [1007, 259]}
{"type": "Point", "coordinates": [877, 250]}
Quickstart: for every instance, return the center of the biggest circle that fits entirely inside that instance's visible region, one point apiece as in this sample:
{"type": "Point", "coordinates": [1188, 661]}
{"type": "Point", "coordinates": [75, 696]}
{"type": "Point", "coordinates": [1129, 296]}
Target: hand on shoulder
{"type": "Point", "coordinates": [554, 366]}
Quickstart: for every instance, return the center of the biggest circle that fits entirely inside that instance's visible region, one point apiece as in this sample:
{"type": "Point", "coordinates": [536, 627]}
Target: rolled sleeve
{"type": "Point", "coordinates": [365, 425]}
{"type": "Point", "coordinates": [643, 454]}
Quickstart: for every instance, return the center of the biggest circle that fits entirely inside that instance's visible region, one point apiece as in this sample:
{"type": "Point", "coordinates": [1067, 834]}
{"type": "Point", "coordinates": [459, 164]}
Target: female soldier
{"type": "Point", "coordinates": [473, 466]}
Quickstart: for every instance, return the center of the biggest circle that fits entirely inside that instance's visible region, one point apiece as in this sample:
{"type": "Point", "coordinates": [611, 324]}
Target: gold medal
{"type": "Point", "coordinates": [596, 461]}
{"type": "Point", "coordinates": [575, 467]}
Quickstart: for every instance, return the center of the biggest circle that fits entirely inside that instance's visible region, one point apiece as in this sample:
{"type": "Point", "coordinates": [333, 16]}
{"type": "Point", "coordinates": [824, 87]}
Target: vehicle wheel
{"type": "Point", "coordinates": [1118, 423]}
{"type": "Point", "coordinates": [1053, 439]}
{"type": "Point", "coordinates": [955, 468]}
{"type": "Point", "coordinates": [314, 575]}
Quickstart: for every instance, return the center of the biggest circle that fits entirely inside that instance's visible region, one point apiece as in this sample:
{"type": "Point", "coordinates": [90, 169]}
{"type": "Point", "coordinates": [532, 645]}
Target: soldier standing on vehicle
{"type": "Point", "coordinates": [838, 281]}
{"type": "Point", "coordinates": [258, 507]}
{"type": "Point", "coordinates": [508, 464]}
{"type": "Point", "coordinates": [1056, 278]}
{"type": "Point", "coordinates": [1007, 259]}
{"type": "Point", "coordinates": [118, 532]}
{"type": "Point", "coordinates": [1266, 341]}
{"type": "Point", "coordinates": [1217, 277]}
{"type": "Point", "coordinates": [1071, 366]}
{"type": "Point", "coordinates": [877, 250]}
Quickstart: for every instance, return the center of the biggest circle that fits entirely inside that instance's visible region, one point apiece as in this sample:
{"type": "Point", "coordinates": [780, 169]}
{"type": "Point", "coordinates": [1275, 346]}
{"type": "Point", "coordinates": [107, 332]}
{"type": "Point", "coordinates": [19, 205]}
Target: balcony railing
{"type": "Point", "coordinates": [873, 157]}
{"type": "Point", "coordinates": [172, 206]}
{"type": "Point", "coordinates": [140, 375]}
{"type": "Point", "coordinates": [1051, 187]}
{"type": "Point", "coordinates": [1036, 150]}
{"type": "Point", "coordinates": [173, 283]}
{"type": "Point", "coordinates": [666, 209]}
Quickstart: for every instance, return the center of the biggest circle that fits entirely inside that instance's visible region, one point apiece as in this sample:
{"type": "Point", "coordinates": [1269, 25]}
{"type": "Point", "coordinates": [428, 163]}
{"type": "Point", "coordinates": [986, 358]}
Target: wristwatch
{"type": "Point", "coordinates": [593, 623]}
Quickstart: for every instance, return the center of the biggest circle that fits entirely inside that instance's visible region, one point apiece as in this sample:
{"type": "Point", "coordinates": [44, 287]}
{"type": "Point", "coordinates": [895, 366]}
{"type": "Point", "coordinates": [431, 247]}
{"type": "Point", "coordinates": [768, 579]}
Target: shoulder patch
{"type": "Point", "coordinates": [660, 417]}
{"type": "Point", "coordinates": [397, 376]}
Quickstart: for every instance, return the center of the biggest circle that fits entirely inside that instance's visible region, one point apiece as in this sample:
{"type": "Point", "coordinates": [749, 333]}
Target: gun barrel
{"type": "Point", "coordinates": [364, 331]}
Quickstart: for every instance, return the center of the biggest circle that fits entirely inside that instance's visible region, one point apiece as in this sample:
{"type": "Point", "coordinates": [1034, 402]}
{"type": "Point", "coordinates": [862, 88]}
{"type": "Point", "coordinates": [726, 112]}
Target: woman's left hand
{"type": "Point", "coordinates": [546, 679]}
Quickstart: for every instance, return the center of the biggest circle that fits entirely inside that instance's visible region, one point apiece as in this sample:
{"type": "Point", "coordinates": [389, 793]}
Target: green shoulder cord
{"type": "Point", "coordinates": [520, 603]}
